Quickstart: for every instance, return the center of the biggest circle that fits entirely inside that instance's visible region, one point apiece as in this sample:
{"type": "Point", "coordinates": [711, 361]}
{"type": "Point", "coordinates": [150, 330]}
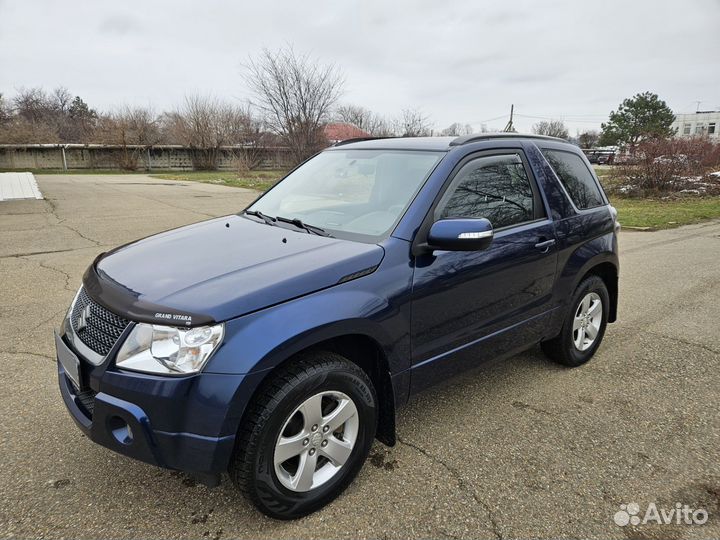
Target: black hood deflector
{"type": "Point", "coordinates": [126, 302]}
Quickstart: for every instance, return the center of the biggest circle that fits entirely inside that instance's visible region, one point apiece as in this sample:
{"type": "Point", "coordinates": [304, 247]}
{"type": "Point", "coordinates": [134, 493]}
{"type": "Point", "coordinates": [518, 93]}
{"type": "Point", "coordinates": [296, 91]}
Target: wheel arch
{"type": "Point", "coordinates": [366, 353]}
{"type": "Point", "coordinates": [361, 349]}
{"type": "Point", "coordinates": [607, 270]}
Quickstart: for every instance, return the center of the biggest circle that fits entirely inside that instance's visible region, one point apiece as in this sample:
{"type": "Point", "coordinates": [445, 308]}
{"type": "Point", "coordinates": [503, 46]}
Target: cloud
{"type": "Point", "coordinates": [119, 25]}
{"type": "Point", "coordinates": [460, 62]}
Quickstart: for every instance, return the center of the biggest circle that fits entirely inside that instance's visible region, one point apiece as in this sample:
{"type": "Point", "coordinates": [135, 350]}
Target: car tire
{"type": "Point", "coordinates": [581, 333]}
{"type": "Point", "coordinates": [284, 415]}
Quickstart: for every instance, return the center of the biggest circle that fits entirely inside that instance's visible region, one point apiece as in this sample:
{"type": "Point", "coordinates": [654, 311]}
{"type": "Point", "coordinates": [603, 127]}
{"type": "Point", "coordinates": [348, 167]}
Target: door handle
{"type": "Point", "coordinates": [545, 246]}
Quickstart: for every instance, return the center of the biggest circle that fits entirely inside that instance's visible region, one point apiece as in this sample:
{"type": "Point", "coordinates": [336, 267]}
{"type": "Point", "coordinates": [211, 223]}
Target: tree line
{"type": "Point", "coordinates": [203, 123]}
{"type": "Point", "coordinates": [293, 97]}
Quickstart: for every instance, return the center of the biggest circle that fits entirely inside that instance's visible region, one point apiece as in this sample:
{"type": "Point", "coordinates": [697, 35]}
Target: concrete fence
{"type": "Point", "coordinates": [160, 157]}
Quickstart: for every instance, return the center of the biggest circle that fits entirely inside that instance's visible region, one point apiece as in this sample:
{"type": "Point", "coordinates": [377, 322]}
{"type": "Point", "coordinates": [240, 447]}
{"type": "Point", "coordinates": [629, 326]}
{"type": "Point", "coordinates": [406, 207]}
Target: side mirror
{"type": "Point", "coordinates": [460, 234]}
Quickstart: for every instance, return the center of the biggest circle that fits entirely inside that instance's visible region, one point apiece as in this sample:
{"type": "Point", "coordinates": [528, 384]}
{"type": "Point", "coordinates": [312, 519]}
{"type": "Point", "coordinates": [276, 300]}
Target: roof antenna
{"type": "Point", "coordinates": [509, 128]}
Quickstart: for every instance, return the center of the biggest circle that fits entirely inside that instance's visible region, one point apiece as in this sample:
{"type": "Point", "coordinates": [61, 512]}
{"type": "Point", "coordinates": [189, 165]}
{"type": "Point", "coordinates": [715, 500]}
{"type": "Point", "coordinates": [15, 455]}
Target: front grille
{"type": "Point", "coordinates": [94, 325]}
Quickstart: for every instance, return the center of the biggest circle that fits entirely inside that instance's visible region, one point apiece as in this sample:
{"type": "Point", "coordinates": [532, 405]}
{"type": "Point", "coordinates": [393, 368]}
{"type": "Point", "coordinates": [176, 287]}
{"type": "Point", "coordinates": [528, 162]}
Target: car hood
{"type": "Point", "coordinates": [222, 268]}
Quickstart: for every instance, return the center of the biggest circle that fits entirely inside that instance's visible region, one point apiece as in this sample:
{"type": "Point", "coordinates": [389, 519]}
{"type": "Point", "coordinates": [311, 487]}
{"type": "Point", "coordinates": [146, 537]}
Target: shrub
{"type": "Point", "coordinates": [665, 166]}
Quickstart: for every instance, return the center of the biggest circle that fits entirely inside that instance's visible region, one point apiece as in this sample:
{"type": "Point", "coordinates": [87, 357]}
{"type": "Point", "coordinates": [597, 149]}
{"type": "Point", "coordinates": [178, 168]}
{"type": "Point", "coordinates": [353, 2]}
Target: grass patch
{"type": "Point", "coordinates": [657, 213]}
{"type": "Point", "coordinates": [259, 180]}
{"type": "Point", "coordinates": [603, 170]}
{"type": "Point", "coordinates": [665, 213]}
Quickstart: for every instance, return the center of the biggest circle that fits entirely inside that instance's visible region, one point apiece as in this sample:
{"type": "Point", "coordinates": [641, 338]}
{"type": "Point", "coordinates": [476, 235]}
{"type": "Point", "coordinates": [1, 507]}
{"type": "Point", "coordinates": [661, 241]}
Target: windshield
{"type": "Point", "coordinates": [352, 194]}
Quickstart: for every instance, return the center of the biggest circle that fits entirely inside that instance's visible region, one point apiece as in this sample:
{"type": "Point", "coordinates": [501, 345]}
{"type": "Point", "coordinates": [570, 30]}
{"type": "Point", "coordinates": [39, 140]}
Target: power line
{"type": "Point", "coordinates": [569, 118]}
{"type": "Point", "coordinates": [501, 117]}
{"type": "Point", "coordinates": [564, 116]}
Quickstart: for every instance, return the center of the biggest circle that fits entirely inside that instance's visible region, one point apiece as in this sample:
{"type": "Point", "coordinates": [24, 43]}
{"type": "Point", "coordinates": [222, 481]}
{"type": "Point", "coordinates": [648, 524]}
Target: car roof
{"type": "Point", "coordinates": [432, 143]}
{"type": "Point", "coordinates": [397, 143]}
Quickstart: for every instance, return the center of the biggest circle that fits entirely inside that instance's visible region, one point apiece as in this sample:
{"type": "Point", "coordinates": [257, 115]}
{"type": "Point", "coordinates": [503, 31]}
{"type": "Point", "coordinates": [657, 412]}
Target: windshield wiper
{"type": "Point", "coordinates": [267, 219]}
{"type": "Point", "coordinates": [312, 229]}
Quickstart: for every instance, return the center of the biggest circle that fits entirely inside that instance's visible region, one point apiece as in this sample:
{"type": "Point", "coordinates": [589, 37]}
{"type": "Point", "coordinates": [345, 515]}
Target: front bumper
{"type": "Point", "coordinates": [184, 423]}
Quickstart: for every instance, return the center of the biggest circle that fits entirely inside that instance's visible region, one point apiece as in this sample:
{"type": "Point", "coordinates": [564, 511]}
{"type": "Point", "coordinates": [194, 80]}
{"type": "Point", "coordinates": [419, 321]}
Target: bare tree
{"type": "Point", "coordinates": [5, 113]}
{"type": "Point", "coordinates": [296, 94]}
{"type": "Point", "coordinates": [412, 123]}
{"type": "Point", "coordinates": [552, 128]}
{"type": "Point", "coordinates": [255, 140]}
{"type": "Point", "coordinates": [36, 105]}
{"type": "Point", "coordinates": [197, 125]}
{"type": "Point", "coordinates": [205, 124]}
{"type": "Point", "coordinates": [32, 104]}
{"type": "Point", "coordinates": [60, 99]}
{"type": "Point", "coordinates": [588, 139]}
{"type": "Point", "coordinates": [353, 114]}
{"type": "Point", "coordinates": [456, 130]}
{"type": "Point", "coordinates": [131, 128]}
{"type": "Point", "coordinates": [363, 118]}
{"type": "Point", "coordinates": [241, 127]}
{"type": "Point", "coordinates": [37, 119]}
{"type": "Point", "coordinates": [19, 130]}
{"type": "Point", "coordinates": [41, 117]}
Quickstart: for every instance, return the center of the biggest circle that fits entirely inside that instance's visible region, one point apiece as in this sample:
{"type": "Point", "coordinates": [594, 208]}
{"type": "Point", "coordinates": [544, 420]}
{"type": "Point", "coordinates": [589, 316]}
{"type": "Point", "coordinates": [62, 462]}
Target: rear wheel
{"type": "Point", "coordinates": [306, 436]}
{"type": "Point", "coordinates": [584, 325]}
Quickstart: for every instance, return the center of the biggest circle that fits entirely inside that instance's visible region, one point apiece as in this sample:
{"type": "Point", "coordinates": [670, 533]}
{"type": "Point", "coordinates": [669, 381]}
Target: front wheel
{"type": "Point", "coordinates": [584, 325]}
{"type": "Point", "coordinates": [306, 436]}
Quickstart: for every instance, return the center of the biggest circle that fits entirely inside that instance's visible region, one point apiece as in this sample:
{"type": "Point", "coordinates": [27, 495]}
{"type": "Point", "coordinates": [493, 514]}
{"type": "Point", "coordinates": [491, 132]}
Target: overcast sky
{"type": "Point", "coordinates": [460, 61]}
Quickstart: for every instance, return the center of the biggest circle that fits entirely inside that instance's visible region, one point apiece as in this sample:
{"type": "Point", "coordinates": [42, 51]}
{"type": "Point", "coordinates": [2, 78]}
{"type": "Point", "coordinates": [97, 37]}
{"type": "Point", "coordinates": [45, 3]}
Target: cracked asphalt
{"type": "Point", "coordinates": [520, 449]}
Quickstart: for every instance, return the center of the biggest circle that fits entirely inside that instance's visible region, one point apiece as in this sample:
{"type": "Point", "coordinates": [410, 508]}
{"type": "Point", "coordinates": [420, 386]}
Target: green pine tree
{"type": "Point", "coordinates": [643, 116]}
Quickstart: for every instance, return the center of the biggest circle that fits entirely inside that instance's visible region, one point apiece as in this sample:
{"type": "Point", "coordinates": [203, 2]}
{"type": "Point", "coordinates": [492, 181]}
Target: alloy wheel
{"type": "Point", "coordinates": [316, 441]}
{"type": "Point", "coordinates": [587, 321]}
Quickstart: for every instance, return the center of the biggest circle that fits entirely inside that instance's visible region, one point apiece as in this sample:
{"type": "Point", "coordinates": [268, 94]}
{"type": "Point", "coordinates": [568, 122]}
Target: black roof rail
{"type": "Point", "coordinates": [359, 139]}
{"type": "Point", "coordinates": [465, 139]}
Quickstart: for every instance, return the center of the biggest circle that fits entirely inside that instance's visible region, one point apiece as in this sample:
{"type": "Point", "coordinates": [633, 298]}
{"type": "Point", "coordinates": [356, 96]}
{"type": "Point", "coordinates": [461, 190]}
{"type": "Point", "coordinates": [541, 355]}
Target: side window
{"type": "Point", "coordinates": [492, 187]}
{"type": "Point", "coordinates": [575, 176]}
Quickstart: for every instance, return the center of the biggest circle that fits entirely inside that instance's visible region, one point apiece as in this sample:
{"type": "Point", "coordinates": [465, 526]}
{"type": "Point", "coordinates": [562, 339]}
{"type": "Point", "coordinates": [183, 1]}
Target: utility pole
{"type": "Point", "coordinates": [509, 128]}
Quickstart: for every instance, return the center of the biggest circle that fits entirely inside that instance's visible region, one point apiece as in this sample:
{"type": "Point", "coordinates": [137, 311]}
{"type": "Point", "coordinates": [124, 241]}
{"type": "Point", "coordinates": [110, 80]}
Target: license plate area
{"type": "Point", "coordinates": [69, 361]}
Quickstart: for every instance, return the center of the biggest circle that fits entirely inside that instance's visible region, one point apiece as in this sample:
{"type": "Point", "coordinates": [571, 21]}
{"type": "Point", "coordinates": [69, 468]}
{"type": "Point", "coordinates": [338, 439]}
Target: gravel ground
{"type": "Point", "coordinates": [521, 449]}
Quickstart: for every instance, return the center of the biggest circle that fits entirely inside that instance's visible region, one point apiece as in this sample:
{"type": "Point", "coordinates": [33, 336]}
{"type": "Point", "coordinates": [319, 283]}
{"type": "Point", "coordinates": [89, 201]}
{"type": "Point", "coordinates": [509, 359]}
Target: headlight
{"type": "Point", "coordinates": [168, 350]}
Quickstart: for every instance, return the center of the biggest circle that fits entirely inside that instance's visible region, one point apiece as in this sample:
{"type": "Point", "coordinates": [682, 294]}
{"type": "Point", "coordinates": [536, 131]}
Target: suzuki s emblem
{"type": "Point", "coordinates": [83, 318]}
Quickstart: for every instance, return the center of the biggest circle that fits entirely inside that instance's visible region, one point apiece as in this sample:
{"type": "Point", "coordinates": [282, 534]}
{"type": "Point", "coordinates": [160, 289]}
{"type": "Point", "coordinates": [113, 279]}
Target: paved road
{"type": "Point", "coordinates": [522, 449]}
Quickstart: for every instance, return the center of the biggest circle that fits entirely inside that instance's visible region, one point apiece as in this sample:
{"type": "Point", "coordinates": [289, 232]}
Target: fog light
{"type": "Point", "coordinates": [120, 430]}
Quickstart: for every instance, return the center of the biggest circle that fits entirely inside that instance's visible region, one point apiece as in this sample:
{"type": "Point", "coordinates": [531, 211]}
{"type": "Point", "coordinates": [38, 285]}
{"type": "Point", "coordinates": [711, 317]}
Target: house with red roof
{"type": "Point", "coordinates": [336, 132]}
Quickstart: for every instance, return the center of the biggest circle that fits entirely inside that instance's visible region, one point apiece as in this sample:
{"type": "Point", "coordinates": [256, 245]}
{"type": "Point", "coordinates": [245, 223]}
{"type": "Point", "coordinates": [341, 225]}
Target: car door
{"type": "Point", "coordinates": [471, 306]}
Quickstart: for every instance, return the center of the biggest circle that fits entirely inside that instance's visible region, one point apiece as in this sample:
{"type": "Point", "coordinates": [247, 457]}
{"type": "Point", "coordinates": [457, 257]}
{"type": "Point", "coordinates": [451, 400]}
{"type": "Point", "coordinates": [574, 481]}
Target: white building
{"type": "Point", "coordinates": [698, 123]}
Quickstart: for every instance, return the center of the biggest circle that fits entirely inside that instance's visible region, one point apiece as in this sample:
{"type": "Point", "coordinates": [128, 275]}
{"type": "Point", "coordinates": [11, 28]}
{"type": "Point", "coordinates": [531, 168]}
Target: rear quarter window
{"type": "Point", "coordinates": [576, 178]}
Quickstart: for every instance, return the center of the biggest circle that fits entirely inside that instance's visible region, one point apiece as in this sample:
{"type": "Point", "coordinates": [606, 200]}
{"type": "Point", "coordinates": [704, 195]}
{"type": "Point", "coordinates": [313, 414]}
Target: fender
{"type": "Point", "coordinates": [611, 281]}
{"type": "Point", "coordinates": [262, 340]}
{"type": "Point", "coordinates": [257, 343]}
{"type": "Point", "coordinates": [376, 306]}
{"type": "Point", "coordinates": [600, 258]}
{"type": "Point", "coordinates": [575, 265]}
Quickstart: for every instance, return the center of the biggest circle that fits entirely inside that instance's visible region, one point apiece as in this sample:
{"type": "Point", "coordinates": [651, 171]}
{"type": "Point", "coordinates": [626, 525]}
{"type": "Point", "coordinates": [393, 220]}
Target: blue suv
{"type": "Point", "coordinates": [277, 344]}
